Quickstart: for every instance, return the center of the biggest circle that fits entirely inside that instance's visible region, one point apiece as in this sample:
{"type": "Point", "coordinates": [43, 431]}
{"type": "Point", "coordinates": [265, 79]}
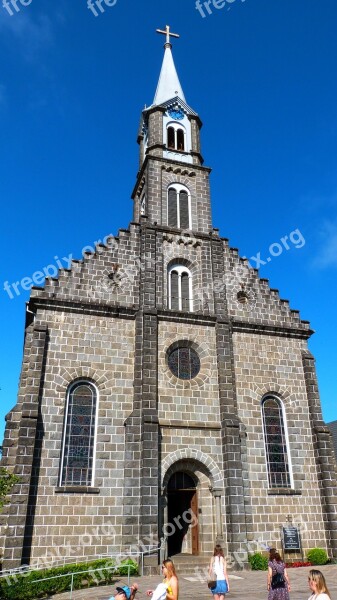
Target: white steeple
{"type": "Point", "coordinates": [169, 85]}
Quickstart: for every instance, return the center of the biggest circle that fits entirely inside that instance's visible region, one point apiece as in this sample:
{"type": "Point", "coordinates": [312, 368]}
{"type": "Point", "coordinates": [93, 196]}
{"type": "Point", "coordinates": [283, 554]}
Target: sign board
{"type": "Point", "coordinates": [291, 538]}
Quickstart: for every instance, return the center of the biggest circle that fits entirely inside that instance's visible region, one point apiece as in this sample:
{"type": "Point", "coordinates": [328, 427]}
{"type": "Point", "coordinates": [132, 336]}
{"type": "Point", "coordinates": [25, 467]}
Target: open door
{"type": "Point", "coordinates": [182, 498]}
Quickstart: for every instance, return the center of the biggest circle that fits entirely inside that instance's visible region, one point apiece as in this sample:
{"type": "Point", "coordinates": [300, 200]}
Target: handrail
{"type": "Point", "coordinates": [148, 553]}
{"type": "Point", "coordinates": [72, 575]}
{"type": "Point", "coordinates": [71, 560]}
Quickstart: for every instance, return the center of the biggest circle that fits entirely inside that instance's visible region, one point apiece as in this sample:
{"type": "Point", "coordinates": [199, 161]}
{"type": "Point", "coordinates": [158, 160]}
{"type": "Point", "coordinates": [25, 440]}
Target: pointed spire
{"type": "Point", "coordinates": [169, 85]}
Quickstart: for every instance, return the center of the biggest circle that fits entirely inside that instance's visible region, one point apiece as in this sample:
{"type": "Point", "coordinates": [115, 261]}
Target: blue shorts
{"type": "Point", "coordinates": [220, 588]}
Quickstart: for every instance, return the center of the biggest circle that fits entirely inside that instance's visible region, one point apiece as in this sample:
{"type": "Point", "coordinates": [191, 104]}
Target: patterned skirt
{"type": "Point", "coordinates": [279, 594]}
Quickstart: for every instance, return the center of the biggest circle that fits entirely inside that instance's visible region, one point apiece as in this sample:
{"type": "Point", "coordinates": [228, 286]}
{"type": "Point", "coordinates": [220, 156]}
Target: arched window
{"type": "Point", "coordinates": [176, 135]}
{"type": "Point", "coordinates": [277, 453]}
{"type": "Point", "coordinates": [180, 140]}
{"type": "Point", "coordinates": [79, 435]}
{"type": "Point", "coordinates": [178, 207]}
{"type": "Point", "coordinates": [171, 138]}
{"type": "Point", "coordinates": [180, 288]}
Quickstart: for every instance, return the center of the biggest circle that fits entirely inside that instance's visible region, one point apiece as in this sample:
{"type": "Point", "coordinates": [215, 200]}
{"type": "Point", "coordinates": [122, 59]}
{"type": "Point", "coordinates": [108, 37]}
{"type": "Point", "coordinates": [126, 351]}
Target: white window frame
{"type": "Point", "coordinates": [180, 270]}
{"type": "Point", "coordinates": [178, 187]}
{"type": "Point", "coordinates": [64, 433]}
{"type": "Point", "coordinates": [176, 126]}
{"type": "Point", "coordinates": [286, 434]}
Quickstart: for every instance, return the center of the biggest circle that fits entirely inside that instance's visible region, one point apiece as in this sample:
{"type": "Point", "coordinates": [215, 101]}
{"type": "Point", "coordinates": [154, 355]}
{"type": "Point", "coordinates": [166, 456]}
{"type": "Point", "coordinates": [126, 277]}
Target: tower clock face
{"type": "Point", "coordinates": [176, 113]}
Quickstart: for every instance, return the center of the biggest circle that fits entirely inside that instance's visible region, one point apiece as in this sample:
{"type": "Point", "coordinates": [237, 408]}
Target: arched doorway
{"type": "Point", "coordinates": [182, 500]}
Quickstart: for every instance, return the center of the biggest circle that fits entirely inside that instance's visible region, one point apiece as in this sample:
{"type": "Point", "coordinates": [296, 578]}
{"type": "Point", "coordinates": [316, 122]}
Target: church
{"type": "Point", "coordinates": [167, 393]}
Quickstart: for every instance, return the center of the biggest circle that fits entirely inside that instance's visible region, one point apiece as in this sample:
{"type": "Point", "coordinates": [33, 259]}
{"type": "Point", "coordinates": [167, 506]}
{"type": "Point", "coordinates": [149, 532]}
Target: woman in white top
{"type": "Point", "coordinates": [218, 567]}
{"type": "Point", "coordinates": [318, 586]}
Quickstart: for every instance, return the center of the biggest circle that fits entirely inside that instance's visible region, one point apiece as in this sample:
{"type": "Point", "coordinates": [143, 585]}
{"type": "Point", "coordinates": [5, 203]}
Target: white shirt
{"type": "Point", "coordinates": [319, 597]}
{"type": "Point", "coordinates": [160, 592]}
{"type": "Point", "coordinates": [218, 567]}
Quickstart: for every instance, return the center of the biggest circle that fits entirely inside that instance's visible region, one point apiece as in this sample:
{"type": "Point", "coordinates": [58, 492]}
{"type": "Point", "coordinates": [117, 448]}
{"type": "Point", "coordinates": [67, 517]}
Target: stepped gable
{"type": "Point", "coordinates": [110, 275]}
{"type": "Point", "coordinates": [250, 298]}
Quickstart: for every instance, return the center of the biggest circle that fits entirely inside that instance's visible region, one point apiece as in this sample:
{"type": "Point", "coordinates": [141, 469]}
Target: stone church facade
{"type": "Point", "coordinates": [164, 382]}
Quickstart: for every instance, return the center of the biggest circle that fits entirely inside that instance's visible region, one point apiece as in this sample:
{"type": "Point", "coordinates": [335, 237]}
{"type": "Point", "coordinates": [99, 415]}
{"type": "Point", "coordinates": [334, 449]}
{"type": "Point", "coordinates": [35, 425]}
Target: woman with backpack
{"type": "Point", "coordinates": [278, 582]}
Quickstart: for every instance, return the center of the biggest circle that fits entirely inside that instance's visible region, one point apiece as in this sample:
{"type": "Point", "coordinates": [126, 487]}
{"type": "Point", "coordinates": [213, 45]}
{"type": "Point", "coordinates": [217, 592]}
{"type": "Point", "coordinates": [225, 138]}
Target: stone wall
{"type": "Point", "coordinates": [189, 415]}
{"type": "Point", "coordinates": [101, 350]}
{"type": "Point", "coordinates": [267, 364]}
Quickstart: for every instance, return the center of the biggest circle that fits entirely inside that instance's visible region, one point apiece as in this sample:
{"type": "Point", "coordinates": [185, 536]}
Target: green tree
{"type": "Point", "coordinates": [7, 480]}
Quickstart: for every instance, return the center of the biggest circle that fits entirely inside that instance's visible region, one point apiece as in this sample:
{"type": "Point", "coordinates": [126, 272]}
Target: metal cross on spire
{"type": "Point", "coordinates": [168, 34]}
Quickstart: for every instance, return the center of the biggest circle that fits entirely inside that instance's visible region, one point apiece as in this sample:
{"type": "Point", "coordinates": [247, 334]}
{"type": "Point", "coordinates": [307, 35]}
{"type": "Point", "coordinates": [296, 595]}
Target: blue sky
{"type": "Point", "coordinates": [262, 74]}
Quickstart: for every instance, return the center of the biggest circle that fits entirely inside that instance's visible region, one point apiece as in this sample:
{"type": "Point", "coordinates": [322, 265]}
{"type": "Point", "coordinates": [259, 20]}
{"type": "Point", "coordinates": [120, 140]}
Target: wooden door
{"type": "Point", "coordinates": [195, 525]}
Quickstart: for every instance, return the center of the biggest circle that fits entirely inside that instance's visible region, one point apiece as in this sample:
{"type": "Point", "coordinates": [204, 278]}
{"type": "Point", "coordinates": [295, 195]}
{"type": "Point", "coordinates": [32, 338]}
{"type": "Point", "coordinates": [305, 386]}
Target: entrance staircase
{"type": "Point", "coordinates": [189, 565]}
{"type": "Point", "coordinates": [185, 564]}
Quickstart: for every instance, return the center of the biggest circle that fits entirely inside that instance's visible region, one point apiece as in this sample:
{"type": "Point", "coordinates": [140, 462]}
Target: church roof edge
{"type": "Point", "coordinates": [176, 100]}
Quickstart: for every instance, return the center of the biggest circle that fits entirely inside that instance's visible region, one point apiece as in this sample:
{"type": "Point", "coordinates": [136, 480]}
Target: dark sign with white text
{"type": "Point", "coordinates": [291, 538]}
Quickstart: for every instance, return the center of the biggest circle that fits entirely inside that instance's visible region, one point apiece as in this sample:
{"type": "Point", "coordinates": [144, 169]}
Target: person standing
{"type": "Point", "coordinates": [277, 582]}
{"type": "Point", "coordinates": [218, 568]}
{"type": "Point", "coordinates": [318, 586]}
{"type": "Point", "coordinates": [170, 585]}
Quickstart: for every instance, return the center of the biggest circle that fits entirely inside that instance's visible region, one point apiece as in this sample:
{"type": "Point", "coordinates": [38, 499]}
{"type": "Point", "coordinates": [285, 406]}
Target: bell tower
{"type": "Point", "coordinates": [172, 187]}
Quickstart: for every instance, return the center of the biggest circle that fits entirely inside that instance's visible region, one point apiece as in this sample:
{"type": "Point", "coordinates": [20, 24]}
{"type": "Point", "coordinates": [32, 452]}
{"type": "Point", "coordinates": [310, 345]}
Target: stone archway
{"type": "Point", "coordinates": [192, 491]}
{"type": "Point", "coordinates": [193, 456]}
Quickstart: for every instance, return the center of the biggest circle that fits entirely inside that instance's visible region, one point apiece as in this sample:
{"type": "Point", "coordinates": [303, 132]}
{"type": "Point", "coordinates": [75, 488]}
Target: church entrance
{"type": "Point", "coordinates": [182, 515]}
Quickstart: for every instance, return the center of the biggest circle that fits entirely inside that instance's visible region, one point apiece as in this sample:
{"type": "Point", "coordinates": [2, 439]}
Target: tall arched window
{"type": "Point", "coordinates": [181, 140]}
{"type": "Point", "coordinates": [79, 435]}
{"type": "Point", "coordinates": [180, 288]}
{"type": "Point", "coordinates": [178, 207]}
{"type": "Point", "coordinates": [277, 453]}
{"type": "Point", "coordinates": [171, 138]}
{"type": "Point", "coordinates": [176, 136]}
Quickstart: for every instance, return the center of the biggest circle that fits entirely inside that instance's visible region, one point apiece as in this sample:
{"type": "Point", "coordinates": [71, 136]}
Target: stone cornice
{"type": "Point", "coordinates": [167, 161]}
{"type": "Point", "coordinates": [59, 305]}
{"type": "Point", "coordinates": [124, 312]}
{"type": "Point", "coordinates": [176, 424]}
{"type": "Point", "coordinates": [274, 330]}
{"type": "Point", "coordinates": [185, 317]}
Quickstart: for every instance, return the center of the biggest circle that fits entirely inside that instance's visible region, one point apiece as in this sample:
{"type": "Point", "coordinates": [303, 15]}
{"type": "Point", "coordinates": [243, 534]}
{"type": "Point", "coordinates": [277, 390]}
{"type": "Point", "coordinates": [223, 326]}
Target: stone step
{"type": "Point", "coordinates": [186, 564]}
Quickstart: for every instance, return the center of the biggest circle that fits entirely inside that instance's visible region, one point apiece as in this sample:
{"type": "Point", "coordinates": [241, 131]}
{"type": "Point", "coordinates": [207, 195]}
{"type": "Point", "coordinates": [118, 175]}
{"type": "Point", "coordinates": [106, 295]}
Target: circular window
{"type": "Point", "coordinates": [184, 363]}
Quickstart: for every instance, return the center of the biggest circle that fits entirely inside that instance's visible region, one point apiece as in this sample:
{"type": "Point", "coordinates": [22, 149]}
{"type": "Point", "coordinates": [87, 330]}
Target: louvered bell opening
{"type": "Point", "coordinates": [180, 140]}
{"type": "Point", "coordinates": [184, 217]}
{"type": "Point", "coordinates": [185, 302]}
{"type": "Point", "coordinates": [174, 290]}
{"type": "Point", "coordinates": [172, 208]}
{"type": "Point", "coordinates": [170, 138]}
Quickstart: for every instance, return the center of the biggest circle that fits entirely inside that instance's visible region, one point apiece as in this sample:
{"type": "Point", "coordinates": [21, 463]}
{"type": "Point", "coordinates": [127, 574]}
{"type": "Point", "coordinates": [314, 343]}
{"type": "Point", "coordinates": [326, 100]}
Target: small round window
{"type": "Point", "coordinates": [184, 363]}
